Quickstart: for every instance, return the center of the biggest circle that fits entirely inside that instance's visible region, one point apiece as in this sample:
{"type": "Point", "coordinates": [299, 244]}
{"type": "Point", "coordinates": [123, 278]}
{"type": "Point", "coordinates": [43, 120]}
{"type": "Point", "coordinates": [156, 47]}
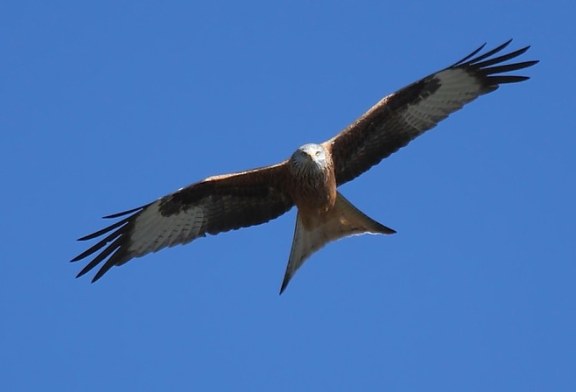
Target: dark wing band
{"type": "Point", "coordinates": [402, 116]}
{"type": "Point", "coordinates": [215, 205]}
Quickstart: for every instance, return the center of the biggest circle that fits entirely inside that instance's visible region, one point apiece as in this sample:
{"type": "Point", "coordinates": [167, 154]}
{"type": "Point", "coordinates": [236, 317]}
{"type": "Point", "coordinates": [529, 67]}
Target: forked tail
{"type": "Point", "coordinates": [341, 221]}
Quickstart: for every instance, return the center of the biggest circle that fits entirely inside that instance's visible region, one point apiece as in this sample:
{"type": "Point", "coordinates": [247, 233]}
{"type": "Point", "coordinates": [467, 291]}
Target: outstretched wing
{"type": "Point", "coordinates": [215, 205]}
{"type": "Point", "coordinates": [402, 116]}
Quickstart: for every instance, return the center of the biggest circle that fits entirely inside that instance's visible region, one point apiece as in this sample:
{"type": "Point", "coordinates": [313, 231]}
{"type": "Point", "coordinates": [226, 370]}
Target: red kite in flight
{"type": "Point", "coordinates": [309, 178]}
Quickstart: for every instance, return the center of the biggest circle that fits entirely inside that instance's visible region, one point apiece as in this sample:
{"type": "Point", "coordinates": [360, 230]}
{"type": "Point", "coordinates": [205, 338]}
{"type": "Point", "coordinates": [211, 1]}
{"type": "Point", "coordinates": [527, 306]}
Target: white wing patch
{"type": "Point", "coordinates": [457, 87]}
{"type": "Point", "coordinates": [153, 231]}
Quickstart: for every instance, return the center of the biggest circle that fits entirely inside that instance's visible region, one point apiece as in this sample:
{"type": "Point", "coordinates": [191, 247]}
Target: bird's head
{"type": "Point", "coordinates": [309, 157]}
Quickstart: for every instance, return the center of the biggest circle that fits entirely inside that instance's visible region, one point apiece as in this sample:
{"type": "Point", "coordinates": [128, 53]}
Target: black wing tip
{"type": "Point", "coordinates": [112, 247]}
{"type": "Point", "coordinates": [468, 56]}
{"type": "Point", "coordinates": [96, 277]}
{"type": "Point", "coordinates": [90, 236]}
{"type": "Point", "coordinates": [102, 271]}
{"type": "Point", "coordinates": [77, 258]}
{"type": "Point", "coordinates": [122, 213]}
{"type": "Point", "coordinates": [117, 258]}
{"type": "Point", "coordinates": [84, 270]}
{"type": "Point", "coordinates": [82, 273]}
{"type": "Point", "coordinates": [115, 225]}
{"type": "Point", "coordinates": [491, 70]}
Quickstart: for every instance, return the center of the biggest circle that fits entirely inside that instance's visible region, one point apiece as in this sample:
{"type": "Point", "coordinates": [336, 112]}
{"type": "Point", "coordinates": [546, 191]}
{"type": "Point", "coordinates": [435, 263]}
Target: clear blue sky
{"type": "Point", "coordinates": [108, 105]}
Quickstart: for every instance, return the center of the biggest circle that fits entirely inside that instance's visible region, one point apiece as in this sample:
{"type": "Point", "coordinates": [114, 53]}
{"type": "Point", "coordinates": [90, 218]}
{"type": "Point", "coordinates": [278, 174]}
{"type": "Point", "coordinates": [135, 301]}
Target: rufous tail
{"type": "Point", "coordinates": [341, 221]}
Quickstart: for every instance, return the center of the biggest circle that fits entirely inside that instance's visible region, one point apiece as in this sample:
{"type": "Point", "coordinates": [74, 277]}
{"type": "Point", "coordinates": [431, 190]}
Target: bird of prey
{"type": "Point", "coordinates": [309, 178]}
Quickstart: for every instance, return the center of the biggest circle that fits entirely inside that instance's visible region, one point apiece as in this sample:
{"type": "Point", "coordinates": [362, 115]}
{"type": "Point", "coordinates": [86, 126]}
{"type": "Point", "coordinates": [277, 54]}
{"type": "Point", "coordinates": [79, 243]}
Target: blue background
{"type": "Point", "coordinates": [108, 105]}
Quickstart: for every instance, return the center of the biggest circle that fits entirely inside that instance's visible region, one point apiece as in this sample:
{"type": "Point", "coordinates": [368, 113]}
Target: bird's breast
{"type": "Point", "coordinates": [313, 191]}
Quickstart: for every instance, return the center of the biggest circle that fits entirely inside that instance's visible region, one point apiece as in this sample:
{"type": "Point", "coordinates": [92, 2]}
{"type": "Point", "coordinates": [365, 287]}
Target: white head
{"type": "Point", "coordinates": [309, 157]}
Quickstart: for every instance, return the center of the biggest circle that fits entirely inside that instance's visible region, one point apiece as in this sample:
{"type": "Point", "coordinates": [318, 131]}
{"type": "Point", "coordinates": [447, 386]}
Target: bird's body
{"type": "Point", "coordinates": [323, 214]}
{"type": "Point", "coordinates": [308, 179]}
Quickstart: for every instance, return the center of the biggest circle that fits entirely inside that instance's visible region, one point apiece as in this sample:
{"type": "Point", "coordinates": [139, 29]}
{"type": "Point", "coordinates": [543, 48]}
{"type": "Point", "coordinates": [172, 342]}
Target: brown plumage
{"type": "Point", "coordinates": [309, 179]}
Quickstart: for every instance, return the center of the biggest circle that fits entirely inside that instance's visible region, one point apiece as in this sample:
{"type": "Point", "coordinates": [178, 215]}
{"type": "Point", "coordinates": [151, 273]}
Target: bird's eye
{"type": "Point", "coordinates": [318, 153]}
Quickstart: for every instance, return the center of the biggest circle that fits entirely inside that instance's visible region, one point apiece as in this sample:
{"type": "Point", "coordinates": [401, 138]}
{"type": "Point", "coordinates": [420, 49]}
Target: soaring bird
{"type": "Point", "coordinates": [309, 179]}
